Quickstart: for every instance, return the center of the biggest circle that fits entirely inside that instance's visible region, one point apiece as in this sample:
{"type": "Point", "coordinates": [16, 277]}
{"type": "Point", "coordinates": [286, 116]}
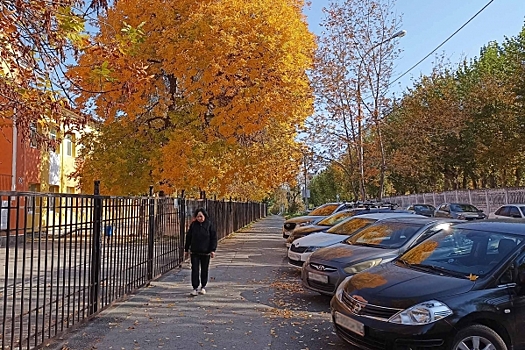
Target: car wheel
{"type": "Point", "coordinates": [478, 337]}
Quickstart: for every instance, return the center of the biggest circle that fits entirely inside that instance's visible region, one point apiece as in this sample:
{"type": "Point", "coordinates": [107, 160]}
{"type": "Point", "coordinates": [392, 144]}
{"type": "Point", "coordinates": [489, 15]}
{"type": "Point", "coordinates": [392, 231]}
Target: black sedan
{"type": "Point", "coordinates": [376, 244]}
{"type": "Point", "coordinates": [461, 289]}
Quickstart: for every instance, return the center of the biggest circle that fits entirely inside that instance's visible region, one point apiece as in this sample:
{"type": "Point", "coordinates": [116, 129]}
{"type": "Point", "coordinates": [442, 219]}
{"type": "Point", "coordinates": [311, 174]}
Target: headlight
{"type": "Point", "coordinates": [339, 290]}
{"type": "Point", "coordinates": [420, 314]}
{"type": "Point", "coordinates": [311, 249]}
{"type": "Point", "coordinates": [353, 269]}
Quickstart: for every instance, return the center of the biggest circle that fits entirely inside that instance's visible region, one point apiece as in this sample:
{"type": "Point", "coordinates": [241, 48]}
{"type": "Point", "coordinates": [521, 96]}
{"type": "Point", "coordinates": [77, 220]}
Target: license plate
{"type": "Point", "coordinates": [350, 324]}
{"type": "Point", "coordinates": [294, 256]}
{"type": "Point", "coordinates": [317, 277]}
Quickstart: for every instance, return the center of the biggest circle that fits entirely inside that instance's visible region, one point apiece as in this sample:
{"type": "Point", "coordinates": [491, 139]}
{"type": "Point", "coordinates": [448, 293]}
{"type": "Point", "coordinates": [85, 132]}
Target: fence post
{"type": "Point", "coordinates": [151, 233]}
{"type": "Point", "coordinates": [182, 226]}
{"type": "Point", "coordinates": [94, 277]}
{"type": "Point", "coordinates": [487, 201]}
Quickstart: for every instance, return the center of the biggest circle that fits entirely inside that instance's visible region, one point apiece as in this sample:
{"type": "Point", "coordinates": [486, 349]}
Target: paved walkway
{"type": "Point", "coordinates": [255, 301]}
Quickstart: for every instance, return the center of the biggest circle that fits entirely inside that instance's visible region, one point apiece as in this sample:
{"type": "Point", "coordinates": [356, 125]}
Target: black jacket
{"type": "Point", "coordinates": [201, 238]}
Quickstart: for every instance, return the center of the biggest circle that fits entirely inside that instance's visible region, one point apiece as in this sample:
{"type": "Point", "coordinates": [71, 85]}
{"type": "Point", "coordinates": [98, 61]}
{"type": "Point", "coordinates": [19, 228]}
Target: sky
{"type": "Point", "coordinates": [430, 22]}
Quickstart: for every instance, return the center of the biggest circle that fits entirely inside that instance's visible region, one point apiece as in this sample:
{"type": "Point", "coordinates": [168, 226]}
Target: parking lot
{"type": "Point", "coordinates": [254, 301]}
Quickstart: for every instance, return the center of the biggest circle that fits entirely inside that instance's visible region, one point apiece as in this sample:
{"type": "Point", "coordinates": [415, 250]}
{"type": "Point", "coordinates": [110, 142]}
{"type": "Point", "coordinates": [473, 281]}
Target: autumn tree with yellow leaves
{"type": "Point", "coordinates": [36, 38]}
{"type": "Point", "coordinates": [222, 85]}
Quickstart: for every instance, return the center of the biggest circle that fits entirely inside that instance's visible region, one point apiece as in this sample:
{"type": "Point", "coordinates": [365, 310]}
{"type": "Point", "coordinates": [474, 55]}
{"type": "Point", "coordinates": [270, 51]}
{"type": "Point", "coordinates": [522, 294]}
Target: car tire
{"type": "Point", "coordinates": [478, 337]}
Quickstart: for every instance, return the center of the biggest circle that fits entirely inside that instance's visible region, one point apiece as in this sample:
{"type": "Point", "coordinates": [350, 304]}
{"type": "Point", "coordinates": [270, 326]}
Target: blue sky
{"type": "Point", "coordinates": [429, 22]}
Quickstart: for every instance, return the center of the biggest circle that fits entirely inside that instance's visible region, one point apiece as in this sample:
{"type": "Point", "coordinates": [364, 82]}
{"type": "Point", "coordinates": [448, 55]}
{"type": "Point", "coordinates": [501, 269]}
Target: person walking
{"type": "Point", "coordinates": [201, 241]}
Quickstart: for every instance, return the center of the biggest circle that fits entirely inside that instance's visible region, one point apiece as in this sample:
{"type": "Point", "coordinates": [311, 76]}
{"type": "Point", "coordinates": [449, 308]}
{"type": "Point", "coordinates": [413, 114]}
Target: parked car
{"type": "Point", "coordinates": [303, 247]}
{"type": "Point", "coordinates": [326, 223]}
{"type": "Point", "coordinates": [461, 211]}
{"type": "Point", "coordinates": [319, 225]}
{"type": "Point", "coordinates": [376, 244]}
{"type": "Point", "coordinates": [422, 209]}
{"type": "Point", "coordinates": [317, 214]}
{"type": "Point", "coordinates": [461, 289]}
{"type": "Point", "coordinates": [513, 211]}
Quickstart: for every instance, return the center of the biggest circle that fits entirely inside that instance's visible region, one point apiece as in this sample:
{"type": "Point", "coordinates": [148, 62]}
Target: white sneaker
{"type": "Point", "coordinates": [202, 291]}
{"type": "Point", "coordinates": [194, 293]}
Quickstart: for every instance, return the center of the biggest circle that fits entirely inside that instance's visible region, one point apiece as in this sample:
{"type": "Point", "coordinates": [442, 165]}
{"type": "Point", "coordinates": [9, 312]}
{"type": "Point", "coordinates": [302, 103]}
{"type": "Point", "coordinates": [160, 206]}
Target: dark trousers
{"type": "Point", "coordinates": [202, 261]}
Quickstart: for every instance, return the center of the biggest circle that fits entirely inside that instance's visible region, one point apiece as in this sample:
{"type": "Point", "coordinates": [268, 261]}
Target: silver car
{"type": "Point", "coordinates": [303, 247]}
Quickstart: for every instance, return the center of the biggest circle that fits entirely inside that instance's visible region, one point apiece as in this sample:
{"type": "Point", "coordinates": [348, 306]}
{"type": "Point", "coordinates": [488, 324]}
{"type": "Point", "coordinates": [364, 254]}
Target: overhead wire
{"type": "Point", "coordinates": [443, 43]}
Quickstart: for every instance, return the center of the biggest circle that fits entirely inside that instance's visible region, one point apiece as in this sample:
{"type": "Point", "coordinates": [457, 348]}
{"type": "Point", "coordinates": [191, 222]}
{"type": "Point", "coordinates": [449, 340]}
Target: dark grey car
{"type": "Point", "coordinates": [376, 244]}
{"type": "Point", "coordinates": [461, 211]}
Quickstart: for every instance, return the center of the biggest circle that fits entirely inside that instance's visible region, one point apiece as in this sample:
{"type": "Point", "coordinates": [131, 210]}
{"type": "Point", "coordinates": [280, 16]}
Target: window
{"type": "Point", "coordinates": [33, 136]}
{"type": "Point", "coordinates": [69, 145]}
{"type": "Point", "coordinates": [53, 137]}
{"type": "Point", "coordinates": [503, 211]}
{"type": "Point", "coordinates": [514, 212]}
{"type": "Point", "coordinates": [30, 200]}
{"type": "Point", "coordinates": [52, 189]}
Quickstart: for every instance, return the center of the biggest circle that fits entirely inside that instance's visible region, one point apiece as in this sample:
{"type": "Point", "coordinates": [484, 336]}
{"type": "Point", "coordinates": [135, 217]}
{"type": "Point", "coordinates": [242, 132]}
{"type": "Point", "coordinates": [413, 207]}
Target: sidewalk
{"type": "Point", "coordinates": [255, 301]}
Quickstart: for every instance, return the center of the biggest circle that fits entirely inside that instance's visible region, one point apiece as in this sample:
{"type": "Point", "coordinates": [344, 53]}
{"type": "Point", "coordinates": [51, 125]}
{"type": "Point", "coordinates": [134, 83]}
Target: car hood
{"type": "Point", "coordinates": [394, 286]}
{"type": "Point", "coordinates": [301, 219]}
{"type": "Point", "coordinates": [309, 229]}
{"type": "Point", "coordinates": [343, 254]}
{"type": "Point", "coordinates": [319, 239]}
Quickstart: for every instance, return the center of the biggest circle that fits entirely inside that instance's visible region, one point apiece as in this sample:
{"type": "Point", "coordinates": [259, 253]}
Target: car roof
{"type": "Point", "coordinates": [384, 215]}
{"type": "Point", "coordinates": [495, 225]}
{"type": "Point", "coordinates": [417, 219]}
{"type": "Point", "coordinates": [460, 203]}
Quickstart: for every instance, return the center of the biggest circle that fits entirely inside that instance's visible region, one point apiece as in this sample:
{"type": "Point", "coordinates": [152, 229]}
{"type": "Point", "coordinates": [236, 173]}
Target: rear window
{"type": "Point", "coordinates": [324, 210]}
{"type": "Point", "coordinates": [350, 226]}
{"type": "Point", "coordinates": [463, 207]}
{"type": "Point", "coordinates": [386, 234]}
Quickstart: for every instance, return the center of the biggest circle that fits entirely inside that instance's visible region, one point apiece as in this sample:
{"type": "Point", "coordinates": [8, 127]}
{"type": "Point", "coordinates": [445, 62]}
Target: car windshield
{"type": "Point", "coordinates": [463, 253]}
{"type": "Point", "coordinates": [336, 218]}
{"type": "Point", "coordinates": [324, 210]}
{"type": "Point", "coordinates": [522, 210]}
{"type": "Point", "coordinates": [350, 226]}
{"type": "Point", "coordinates": [385, 234]}
{"type": "Point", "coordinates": [463, 207]}
{"type": "Point", "coordinates": [424, 207]}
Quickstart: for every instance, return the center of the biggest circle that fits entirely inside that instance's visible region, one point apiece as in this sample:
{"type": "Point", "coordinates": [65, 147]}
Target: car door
{"type": "Point", "coordinates": [518, 302]}
{"type": "Point", "coordinates": [443, 211]}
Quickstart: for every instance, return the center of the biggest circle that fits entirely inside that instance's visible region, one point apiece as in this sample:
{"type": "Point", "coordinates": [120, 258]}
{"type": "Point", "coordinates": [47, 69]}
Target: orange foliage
{"type": "Point", "coordinates": [227, 80]}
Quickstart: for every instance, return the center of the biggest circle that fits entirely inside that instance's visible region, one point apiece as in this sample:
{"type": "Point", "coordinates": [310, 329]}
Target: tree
{"type": "Point", "coordinates": [354, 61]}
{"type": "Point", "coordinates": [36, 38]}
{"type": "Point", "coordinates": [225, 81]}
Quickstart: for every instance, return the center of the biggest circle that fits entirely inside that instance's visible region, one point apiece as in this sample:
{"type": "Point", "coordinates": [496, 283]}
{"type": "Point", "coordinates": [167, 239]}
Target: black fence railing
{"type": "Point", "coordinates": [66, 257]}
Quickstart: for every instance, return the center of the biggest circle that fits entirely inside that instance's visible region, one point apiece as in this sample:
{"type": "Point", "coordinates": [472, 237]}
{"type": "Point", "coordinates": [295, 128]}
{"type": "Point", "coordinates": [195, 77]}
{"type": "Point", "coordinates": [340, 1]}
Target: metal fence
{"type": "Point", "coordinates": [66, 257]}
{"type": "Point", "coordinates": [487, 200]}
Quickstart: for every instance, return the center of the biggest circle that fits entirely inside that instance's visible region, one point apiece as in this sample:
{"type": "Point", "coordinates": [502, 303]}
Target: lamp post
{"type": "Point", "coordinates": [399, 34]}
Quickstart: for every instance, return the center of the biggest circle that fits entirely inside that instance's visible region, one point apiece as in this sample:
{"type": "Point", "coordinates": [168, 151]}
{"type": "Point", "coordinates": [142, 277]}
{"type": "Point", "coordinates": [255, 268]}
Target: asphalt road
{"type": "Point", "coordinates": [255, 301]}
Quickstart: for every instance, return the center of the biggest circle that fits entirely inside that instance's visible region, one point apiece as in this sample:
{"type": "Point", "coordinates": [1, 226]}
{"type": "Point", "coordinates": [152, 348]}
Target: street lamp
{"type": "Point", "coordinates": [399, 34]}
